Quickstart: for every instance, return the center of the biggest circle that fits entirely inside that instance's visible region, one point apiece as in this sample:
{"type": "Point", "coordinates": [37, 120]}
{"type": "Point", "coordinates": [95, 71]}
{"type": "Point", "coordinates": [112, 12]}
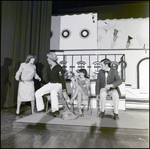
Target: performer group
{"type": "Point", "coordinates": [107, 83]}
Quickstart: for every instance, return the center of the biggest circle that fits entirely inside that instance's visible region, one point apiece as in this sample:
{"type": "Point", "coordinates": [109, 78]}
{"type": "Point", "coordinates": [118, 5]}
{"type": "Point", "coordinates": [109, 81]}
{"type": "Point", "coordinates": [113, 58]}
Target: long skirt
{"type": "Point", "coordinates": [26, 91]}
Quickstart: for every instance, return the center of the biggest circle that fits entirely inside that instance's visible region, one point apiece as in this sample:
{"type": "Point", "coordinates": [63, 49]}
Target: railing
{"type": "Point", "coordinates": [91, 62]}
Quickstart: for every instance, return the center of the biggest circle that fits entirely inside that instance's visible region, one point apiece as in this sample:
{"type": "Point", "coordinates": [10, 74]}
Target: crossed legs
{"type": "Point", "coordinates": [78, 94]}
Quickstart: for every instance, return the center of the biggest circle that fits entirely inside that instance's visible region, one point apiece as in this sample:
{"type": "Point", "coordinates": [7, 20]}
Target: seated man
{"type": "Point", "coordinates": [107, 83]}
{"type": "Point", "coordinates": [56, 83]}
{"type": "Point", "coordinates": [81, 86]}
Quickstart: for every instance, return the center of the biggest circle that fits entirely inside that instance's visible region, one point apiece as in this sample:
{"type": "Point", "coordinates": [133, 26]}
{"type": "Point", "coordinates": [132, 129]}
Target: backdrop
{"type": "Point", "coordinates": [77, 31]}
{"type": "Point", "coordinates": [25, 29]}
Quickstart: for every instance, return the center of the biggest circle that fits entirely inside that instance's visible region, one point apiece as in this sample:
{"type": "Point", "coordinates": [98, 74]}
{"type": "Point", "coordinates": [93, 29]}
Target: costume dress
{"type": "Point", "coordinates": [26, 88]}
{"type": "Point", "coordinates": [85, 87]}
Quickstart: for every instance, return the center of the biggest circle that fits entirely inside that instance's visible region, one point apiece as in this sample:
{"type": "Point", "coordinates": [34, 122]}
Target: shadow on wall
{"type": "Point", "coordinates": [5, 82]}
{"type": "Point", "coordinates": [17, 65]}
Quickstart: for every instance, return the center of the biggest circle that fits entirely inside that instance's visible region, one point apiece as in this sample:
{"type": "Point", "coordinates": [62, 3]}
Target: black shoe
{"type": "Point", "coordinates": [116, 117]}
{"type": "Point", "coordinates": [81, 115]}
{"type": "Point", "coordinates": [101, 115]}
{"type": "Point", "coordinates": [56, 114]}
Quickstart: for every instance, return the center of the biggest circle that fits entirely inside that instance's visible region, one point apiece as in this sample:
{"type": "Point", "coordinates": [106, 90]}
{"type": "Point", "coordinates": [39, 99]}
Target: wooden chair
{"type": "Point", "coordinates": [48, 98]}
{"type": "Point", "coordinates": [85, 105]}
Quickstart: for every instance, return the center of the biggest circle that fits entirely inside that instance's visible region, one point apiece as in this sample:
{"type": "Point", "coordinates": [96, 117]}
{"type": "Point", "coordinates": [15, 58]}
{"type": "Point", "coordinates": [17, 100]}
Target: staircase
{"type": "Point", "coordinates": [136, 100]}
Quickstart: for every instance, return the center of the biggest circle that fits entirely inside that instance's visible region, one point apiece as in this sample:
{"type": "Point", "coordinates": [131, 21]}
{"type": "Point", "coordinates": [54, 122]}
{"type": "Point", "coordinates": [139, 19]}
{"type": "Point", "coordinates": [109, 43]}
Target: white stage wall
{"type": "Point", "coordinates": [74, 32]}
{"type": "Point", "coordinates": [98, 34]}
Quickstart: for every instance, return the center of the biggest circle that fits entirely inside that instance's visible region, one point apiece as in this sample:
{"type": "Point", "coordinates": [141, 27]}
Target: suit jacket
{"type": "Point", "coordinates": [112, 78]}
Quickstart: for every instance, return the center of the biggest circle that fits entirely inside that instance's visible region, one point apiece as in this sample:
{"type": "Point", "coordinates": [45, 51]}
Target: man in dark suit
{"type": "Point", "coordinates": [107, 83]}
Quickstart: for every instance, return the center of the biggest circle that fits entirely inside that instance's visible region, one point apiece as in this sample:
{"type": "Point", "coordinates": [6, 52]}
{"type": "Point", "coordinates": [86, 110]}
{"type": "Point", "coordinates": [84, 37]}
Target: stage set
{"type": "Point", "coordinates": [83, 44]}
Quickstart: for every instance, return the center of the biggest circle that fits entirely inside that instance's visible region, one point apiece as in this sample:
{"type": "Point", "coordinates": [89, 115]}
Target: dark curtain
{"type": "Point", "coordinates": [25, 29]}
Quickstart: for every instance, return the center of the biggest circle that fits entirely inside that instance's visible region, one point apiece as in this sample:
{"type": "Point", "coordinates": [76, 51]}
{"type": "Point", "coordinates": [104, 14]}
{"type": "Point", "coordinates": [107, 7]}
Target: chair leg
{"type": "Point", "coordinates": [91, 107]}
{"type": "Point", "coordinates": [88, 104]}
{"type": "Point", "coordinates": [48, 100]}
{"type": "Point", "coordinates": [91, 110]}
{"type": "Point", "coordinates": [98, 108]}
{"type": "Point", "coordinates": [72, 108]}
{"type": "Point", "coordinates": [47, 106]}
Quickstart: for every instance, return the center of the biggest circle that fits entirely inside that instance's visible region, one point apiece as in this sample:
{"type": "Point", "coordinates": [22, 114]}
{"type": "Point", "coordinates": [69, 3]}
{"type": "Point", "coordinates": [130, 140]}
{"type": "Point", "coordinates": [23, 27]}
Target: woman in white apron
{"type": "Point", "coordinates": [26, 89]}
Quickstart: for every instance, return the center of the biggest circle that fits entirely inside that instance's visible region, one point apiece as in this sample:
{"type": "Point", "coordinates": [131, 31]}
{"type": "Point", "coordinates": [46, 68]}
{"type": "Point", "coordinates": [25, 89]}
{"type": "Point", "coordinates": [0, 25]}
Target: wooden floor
{"type": "Point", "coordinates": [40, 137]}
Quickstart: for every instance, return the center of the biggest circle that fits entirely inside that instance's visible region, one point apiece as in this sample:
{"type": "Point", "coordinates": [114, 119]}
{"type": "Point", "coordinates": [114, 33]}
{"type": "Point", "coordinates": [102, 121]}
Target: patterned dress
{"type": "Point", "coordinates": [85, 87]}
{"type": "Point", "coordinates": [26, 87]}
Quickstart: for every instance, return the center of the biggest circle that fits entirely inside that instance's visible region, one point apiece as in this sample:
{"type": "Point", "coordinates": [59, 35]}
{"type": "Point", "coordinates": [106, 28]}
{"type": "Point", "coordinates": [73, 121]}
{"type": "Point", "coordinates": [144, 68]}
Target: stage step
{"type": "Point", "coordinates": [142, 104]}
{"type": "Point", "coordinates": [135, 93]}
{"type": "Point", "coordinates": [135, 99]}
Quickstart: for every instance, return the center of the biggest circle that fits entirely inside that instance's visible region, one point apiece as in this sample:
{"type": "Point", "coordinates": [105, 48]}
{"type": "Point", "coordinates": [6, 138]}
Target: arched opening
{"type": "Point", "coordinates": [143, 75]}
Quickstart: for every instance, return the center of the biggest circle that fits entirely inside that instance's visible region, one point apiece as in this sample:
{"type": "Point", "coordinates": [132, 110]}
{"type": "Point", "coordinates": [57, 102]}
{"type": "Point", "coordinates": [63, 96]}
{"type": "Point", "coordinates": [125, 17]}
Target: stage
{"type": "Point", "coordinates": [135, 122]}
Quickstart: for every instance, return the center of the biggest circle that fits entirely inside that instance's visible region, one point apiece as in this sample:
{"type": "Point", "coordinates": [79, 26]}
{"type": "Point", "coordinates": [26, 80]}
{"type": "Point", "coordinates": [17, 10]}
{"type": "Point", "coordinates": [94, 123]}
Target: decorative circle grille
{"type": "Point", "coordinates": [65, 33]}
{"type": "Point", "coordinates": [80, 65]}
{"type": "Point", "coordinates": [65, 65]}
{"type": "Point", "coordinates": [84, 33]}
{"type": "Point", "coordinates": [96, 66]}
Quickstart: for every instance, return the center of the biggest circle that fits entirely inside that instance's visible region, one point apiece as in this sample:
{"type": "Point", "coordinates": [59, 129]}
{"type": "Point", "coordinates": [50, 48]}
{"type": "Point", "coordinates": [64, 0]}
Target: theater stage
{"type": "Point", "coordinates": [127, 121]}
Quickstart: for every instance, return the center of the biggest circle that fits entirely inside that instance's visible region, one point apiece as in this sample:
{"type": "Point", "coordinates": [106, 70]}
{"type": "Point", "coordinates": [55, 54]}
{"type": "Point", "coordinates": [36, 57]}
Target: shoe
{"type": "Point", "coordinates": [17, 113]}
{"type": "Point", "coordinates": [101, 115]}
{"type": "Point", "coordinates": [49, 113]}
{"type": "Point", "coordinates": [81, 112]}
{"type": "Point", "coordinates": [81, 115]}
{"type": "Point", "coordinates": [56, 114]}
{"type": "Point", "coordinates": [116, 117]}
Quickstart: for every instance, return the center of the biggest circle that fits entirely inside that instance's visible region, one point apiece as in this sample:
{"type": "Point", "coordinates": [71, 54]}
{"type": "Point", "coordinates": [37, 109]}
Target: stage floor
{"type": "Point", "coordinates": [127, 120]}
